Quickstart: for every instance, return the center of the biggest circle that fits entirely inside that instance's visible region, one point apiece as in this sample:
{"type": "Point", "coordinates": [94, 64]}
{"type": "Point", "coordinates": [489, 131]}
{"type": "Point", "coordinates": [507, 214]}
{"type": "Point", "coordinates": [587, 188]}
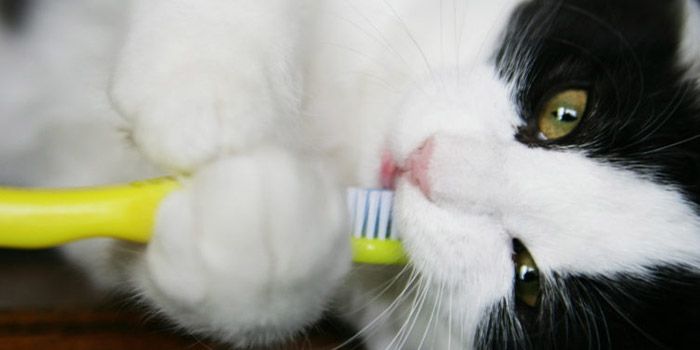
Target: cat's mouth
{"type": "Point", "coordinates": [415, 168]}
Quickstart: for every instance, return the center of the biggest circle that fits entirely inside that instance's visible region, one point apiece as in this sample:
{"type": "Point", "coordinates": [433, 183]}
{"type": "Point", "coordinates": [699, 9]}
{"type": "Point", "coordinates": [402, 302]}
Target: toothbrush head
{"type": "Point", "coordinates": [374, 238]}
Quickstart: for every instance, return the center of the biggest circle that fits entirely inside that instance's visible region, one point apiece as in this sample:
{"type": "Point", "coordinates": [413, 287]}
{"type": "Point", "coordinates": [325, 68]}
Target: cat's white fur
{"type": "Point", "coordinates": [269, 108]}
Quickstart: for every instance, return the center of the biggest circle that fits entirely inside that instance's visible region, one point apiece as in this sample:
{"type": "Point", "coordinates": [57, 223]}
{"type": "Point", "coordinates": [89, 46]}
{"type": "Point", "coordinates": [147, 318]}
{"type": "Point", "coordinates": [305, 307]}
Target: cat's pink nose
{"type": "Point", "coordinates": [415, 168]}
{"type": "Point", "coordinates": [418, 165]}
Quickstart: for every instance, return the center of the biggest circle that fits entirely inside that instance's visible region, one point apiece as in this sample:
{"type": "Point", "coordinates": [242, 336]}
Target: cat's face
{"type": "Point", "coordinates": [574, 129]}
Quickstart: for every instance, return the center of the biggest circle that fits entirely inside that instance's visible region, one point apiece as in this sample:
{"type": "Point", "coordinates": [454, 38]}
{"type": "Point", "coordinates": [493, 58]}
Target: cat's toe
{"type": "Point", "coordinates": [189, 118]}
{"type": "Point", "coordinates": [184, 129]}
{"type": "Point", "coordinates": [178, 138]}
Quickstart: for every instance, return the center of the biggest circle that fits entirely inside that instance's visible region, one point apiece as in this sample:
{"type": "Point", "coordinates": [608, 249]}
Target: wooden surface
{"type": "Point", "coordinates": [46, 304]}
{"type": "Point", "coordinates": [87, 329]}
{"type": "Point", "coordinates": [95, 329]}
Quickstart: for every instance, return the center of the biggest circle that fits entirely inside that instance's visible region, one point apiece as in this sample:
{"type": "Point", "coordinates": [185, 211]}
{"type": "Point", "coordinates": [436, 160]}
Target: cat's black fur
{"type": "Point", "coordinates": [643, 116]}
{"type": "Point", "coordinates": [614, 312]}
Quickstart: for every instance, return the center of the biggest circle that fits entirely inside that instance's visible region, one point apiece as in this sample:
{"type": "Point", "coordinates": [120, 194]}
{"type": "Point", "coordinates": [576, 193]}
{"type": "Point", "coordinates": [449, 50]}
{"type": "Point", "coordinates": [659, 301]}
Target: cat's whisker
{"type": "Point", "coordinates": [675, 144]}
{"type": "Point", "coordinates": [571, 308]}
{"type": "Point", "coordinates": [449, 319]}
{"type": "Point", "coordinates": [596, 311]}
{"type": "Point", "coordinates": [587, 318]}
{"type": "Point", "coordinates": [427, 296]}
{"type": "Point", "coordinates": [442, 33]}
{"type": "Point", "coordinates": [658, 120]}
{"type": "Point", "coordinates": [383, 289]}
{"type": "Point", "coordinates": [379, 37]}
{"type": "Point", "coordinates": [407, 319]}
{"type": "Point", "coordinates": [623, 315]}
{"type": "Point", "coordinates": [398, 300]}
{"type": "Point", "coordinates": [439, 317]}
{"type": "Point", "coordinates": [414, 313]}
{"type": "Point", "coordinates": [379, 63]}
{"type": "Point", "coordinates": [455, 37]}
{"type": "Point", "coordinates": [382, 65]}
{"type": "Point", "coordinates": [413, 39]}
{"type": "Point", "coordinates": [430, 326]}
{"type": "Point", "coordinates": [590, 312]}
{"type": "Point", "coordinates": [356, 51]}
{"type": "Point", "coordinates": [500, 325]}
{"type": "Point", "coordinates": [416, 307]}
{"type": "Point", "coordinates": [506, 321]}
{"type": "Point", "coordinates": [386, 84]}
{"type": "Point", "coordinates": [515, 324]}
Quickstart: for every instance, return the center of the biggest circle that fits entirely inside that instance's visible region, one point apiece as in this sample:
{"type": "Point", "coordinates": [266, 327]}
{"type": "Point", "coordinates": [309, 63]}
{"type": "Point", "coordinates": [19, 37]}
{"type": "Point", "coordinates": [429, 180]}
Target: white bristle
{"type": "Point", "coordinates": [370, 211]}
{"type": "Point", "coordinates": [360, 212]}
{"type": "Point", "coordinates": [372, 214]}
{"type": "Point", "coordinates": [351, 199]}
{"type": "Point", "coordinates": [385, 207]}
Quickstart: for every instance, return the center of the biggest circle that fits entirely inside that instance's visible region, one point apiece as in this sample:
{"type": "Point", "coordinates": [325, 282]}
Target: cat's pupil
{"type": "Point", "coordinates": [566, 115]}
{"type": "Point", "coordinates": [527, 274]}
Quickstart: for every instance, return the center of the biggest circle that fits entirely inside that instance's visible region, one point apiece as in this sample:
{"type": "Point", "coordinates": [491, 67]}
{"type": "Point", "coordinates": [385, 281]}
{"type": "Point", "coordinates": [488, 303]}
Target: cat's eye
{"type": "Point", "coordinates": [527, 275]}
{"type": "Point", "coordinates": [561, 113]}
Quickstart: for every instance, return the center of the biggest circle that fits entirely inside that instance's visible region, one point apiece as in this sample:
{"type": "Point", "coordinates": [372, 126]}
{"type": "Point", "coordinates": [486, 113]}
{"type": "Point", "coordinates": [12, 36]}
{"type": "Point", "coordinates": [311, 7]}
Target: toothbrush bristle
{"type": "Point", "coordinates": [371, 213]}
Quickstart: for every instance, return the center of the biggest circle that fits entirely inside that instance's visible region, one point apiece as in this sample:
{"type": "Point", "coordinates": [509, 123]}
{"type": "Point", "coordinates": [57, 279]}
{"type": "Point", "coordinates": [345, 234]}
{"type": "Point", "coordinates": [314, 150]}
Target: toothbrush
{"type": "Point", "coordinates": [374, 238]}
{"type": "Point", "coordinates": [43, 218]}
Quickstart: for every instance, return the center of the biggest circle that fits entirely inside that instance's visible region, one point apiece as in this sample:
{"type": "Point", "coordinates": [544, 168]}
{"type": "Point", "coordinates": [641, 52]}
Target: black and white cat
{"type": "Point", "coordinates": [545, 156]}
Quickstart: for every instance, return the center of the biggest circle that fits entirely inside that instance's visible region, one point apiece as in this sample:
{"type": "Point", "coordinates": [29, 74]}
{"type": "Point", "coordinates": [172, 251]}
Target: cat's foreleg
{"type": "Point", "coordinates": [252, 248]}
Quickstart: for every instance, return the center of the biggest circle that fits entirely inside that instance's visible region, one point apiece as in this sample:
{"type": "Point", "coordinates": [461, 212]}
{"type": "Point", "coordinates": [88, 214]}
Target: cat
{"type": "Point", "coordinates": [545, 156]}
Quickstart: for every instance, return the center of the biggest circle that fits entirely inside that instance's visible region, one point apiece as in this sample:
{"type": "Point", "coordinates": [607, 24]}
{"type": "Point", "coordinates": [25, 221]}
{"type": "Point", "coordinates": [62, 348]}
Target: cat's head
{"type": "Point", "coordinates": [552, 192]}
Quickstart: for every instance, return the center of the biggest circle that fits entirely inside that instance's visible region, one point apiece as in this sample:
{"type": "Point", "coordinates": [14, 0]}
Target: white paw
{"type": "Point", "coordinates": [250, 250]}
{"type": "Point", "coordinates": [191, 118]}
{"type": "Point", "coordinates": [197, 83]}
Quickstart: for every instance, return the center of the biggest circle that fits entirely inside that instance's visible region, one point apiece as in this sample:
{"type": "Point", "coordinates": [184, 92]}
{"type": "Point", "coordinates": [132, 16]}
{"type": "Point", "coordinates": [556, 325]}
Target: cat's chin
{"type": "Point", "coordinates": [466, 253]}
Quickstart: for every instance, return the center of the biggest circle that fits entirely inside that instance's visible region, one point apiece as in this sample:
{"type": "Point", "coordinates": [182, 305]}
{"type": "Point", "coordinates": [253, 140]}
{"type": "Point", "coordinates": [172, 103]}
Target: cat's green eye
{"type": "Point", "coordinates": [561, 113]}
{"type": "Point", "coordinates": [527, 276]}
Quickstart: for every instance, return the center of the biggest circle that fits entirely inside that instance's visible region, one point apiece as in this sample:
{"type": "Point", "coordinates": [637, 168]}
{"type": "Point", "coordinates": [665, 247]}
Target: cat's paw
{"type": "Point", "coordinates": [187, 119]}
{"type": "Point", "coordinates": [251, 249]}
{"type": "Point", "coordinates": [198, 83]}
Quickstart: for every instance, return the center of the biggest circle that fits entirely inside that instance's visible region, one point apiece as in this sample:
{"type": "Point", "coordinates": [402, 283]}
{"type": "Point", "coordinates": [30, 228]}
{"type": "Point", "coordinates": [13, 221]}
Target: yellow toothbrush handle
{"type": "Point", "coordinates": [32, 218]}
